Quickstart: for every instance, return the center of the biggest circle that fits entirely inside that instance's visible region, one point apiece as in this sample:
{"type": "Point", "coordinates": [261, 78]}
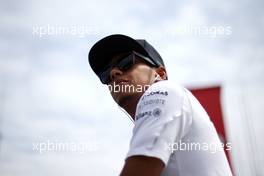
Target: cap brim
{"type": "Point", "coordinates": [103, 51]}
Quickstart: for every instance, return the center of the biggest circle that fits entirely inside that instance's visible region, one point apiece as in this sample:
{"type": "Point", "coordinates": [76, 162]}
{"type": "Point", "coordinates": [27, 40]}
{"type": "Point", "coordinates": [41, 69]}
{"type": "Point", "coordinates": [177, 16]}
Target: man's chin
{"type": "Point", "coordinates": [124, 101]}
{"type": "Point", "coordinates": [121, 97]}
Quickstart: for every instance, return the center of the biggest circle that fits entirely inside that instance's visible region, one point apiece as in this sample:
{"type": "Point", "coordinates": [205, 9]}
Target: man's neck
{"type": "Point", "coordinates": [129, 104]}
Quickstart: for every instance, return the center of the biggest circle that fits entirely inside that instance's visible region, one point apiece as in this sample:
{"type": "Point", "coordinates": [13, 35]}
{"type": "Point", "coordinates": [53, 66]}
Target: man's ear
{"type": "Point", "coordinates": [161, 71]}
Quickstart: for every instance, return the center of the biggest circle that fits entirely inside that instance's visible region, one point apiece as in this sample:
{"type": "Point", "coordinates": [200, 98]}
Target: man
{"type": "Point", "coordinates": [173, 135]}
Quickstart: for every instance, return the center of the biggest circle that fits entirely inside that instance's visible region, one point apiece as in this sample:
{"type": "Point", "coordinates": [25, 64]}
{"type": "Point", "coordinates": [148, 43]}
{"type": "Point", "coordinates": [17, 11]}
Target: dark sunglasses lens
{"type": "Point", "coordinates": [126, 63]}
{"type": "Point", "coordinates": [104, 76]}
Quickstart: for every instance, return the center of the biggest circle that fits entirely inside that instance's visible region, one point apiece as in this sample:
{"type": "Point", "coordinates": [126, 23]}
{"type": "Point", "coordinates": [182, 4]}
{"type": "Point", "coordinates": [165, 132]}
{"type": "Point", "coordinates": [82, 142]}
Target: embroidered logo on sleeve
{"type": "Point", "coordinates": [156, 112]}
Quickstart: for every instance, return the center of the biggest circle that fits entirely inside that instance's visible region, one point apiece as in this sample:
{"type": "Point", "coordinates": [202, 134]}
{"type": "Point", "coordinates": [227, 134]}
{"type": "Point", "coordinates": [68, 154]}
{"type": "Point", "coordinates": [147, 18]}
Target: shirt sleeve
{"type": "Point", "coordinates": [161, 119]}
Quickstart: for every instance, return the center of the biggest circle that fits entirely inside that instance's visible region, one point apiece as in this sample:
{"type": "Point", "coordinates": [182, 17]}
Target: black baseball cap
{"type": "Point", "coordinates": [103, 51]}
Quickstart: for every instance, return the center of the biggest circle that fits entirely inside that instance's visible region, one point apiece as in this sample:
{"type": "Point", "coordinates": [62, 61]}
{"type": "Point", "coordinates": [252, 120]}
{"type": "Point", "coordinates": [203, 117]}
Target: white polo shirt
{"type": "Point", "coordinates": [170, 124]}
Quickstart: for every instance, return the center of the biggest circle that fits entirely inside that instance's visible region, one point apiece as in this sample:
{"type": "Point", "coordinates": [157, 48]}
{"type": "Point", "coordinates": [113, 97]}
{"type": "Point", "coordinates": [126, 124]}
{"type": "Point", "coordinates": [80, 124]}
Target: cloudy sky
{"type": "Point", "coordinates": [49, 95]}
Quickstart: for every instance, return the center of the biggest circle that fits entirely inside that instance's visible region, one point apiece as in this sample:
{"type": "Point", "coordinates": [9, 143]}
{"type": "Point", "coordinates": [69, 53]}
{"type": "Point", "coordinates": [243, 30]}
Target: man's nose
{"type": "Point", "coordinates": [115, 72]}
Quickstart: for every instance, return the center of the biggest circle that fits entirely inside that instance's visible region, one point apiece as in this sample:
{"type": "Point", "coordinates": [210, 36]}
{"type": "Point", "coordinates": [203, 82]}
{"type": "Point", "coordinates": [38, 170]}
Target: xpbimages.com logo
{"type": "Point", "coordinates": [128, 88]}
{"type": "Point", "coordinates": [63, 30]}
{"type": "Point", "coordinates": [58, 146]}
{"type": "Point", "coordinates": [212, 147]}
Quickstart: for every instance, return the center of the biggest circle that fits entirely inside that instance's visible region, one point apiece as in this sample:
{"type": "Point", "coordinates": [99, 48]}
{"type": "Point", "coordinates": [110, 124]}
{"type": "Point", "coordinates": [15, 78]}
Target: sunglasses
{"type": "Point", "coordinates": [124, 64]}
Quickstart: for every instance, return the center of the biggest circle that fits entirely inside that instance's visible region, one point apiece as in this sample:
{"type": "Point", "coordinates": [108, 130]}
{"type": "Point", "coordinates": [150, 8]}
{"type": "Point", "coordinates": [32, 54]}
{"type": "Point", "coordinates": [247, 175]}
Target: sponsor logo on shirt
{"type": "Point", "coordinates": [155, 113]}
{"type": "Point", "coordinates": [158, 92]}
{"type": "Point", "coordinates": [151, 102]}
{"type": "Point", "coordinates": [143, 114]}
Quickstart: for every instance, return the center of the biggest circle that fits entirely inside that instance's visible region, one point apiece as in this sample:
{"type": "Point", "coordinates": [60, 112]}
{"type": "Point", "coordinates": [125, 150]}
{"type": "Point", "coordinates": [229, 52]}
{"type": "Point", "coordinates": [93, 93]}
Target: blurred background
{"type": "Point", "coordinates": [49, 95]}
